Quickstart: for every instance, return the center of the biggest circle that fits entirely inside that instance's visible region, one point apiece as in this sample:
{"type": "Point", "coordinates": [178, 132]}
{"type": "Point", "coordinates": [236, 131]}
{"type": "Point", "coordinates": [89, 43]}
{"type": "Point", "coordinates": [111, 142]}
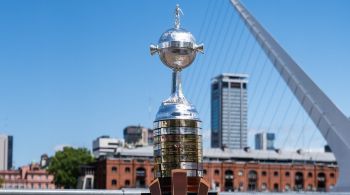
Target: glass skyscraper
{"type": "Point", "coordinates": [264, 141]}
{"type": "Point", "coordinates": [229, 111]}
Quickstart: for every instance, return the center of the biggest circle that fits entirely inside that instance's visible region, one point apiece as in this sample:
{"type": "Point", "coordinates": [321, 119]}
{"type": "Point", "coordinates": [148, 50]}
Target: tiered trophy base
{"type": "Point", "coordinates": [179, 184]}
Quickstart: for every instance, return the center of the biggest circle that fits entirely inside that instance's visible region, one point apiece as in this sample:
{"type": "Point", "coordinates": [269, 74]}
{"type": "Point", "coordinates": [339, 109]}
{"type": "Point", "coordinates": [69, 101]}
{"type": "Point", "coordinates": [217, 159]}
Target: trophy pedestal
{"type": "Point", "coordinates": [179, 184]}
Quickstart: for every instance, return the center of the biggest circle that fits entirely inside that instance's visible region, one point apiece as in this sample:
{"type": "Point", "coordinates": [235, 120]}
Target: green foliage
{"type": "Point", "coordinates": [2, 181]}
{"type": "Point", "coordinates": [64, 165]}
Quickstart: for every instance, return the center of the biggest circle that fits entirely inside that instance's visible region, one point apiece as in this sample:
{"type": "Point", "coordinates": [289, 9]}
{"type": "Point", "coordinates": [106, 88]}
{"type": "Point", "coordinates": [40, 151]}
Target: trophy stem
{"type": "Point", "coordinates": [176, 88]}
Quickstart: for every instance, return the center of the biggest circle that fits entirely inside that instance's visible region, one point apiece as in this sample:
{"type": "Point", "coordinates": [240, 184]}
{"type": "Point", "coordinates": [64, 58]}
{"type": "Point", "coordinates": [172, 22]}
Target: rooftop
{"type": "Point", "coordinates": [230, 154]}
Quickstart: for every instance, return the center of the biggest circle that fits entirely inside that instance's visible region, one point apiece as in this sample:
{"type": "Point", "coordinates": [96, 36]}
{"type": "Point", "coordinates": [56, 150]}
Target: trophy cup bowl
{"type": "Point", "coordinates": [177, 48]}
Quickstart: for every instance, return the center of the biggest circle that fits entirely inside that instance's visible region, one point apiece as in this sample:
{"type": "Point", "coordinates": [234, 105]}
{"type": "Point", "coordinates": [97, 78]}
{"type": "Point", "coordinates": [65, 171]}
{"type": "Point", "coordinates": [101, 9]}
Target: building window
{"type": "Point", "coordinates": [299, 181]}
{"type": "Point", "coordinates": [240, 172]}
{"type": "Point", "coordinates": [114, 182]}
{"type": "Point", "coordinates": [224, 84]}
{"type": "Point", "coordinates": [114, 169]}
{"type": "Point", "coordinates": [216, 172]}
{"type": "Point", "coordinates": [204, 172]}
{"type": "Point", "coordinates": [39, 185]}
{"type": "Point", "coordinates": [321, 182]}
{"type": "Point", "coordinates": [127, 183]}
{"type": "Point", "coordinates": [140, 177]}
{"type": "Point", "coordinates": [229, 180]}
{"type": "Point", "coordinates": [252, 181]}
{"type": "Point", "coordinates": [263, 173]}
{"type": "Point", "coordinates": [331, 175]}
{"type": "Point", "coordinates": [275, 187]}
{"type": "Point", "coordinates": [275, 173]}
{"type": "Point", "coordinates": [236, 85]}
{"type": "Point", "coordinates": [215, 86]}
{"type": "Point", "coordinates": [287, 174]}
{"type": "Point", "coordinates": [309, 175]}
{"type": "Point", "coordinates": [127, 170]}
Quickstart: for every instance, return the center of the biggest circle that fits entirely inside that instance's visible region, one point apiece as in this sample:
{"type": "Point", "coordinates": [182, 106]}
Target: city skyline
{"type": "Point", "coordinates": [68, 78]}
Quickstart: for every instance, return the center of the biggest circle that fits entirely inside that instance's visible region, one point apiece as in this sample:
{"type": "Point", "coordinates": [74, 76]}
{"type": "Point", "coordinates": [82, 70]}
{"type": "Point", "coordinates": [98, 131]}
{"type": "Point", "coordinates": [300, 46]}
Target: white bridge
{"type": "Point", "coordinates": [330, 121]}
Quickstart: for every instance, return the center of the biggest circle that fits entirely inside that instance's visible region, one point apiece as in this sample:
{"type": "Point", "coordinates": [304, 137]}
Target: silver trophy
{"type": "Point", "coordinates": [177, 136]}
{"type": "Point", "coordinates": [177, 49]}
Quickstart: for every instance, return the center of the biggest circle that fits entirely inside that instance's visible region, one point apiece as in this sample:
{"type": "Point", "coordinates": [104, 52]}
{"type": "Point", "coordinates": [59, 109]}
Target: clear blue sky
{"type": "Point", "coordinates": [71, 71]}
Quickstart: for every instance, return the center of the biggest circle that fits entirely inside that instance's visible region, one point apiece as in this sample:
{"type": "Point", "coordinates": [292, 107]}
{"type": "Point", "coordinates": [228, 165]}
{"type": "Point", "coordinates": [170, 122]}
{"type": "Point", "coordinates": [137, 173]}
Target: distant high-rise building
{"type": "Point", "coordinates": [264, 141]}
{"type": "Point", "coordinates": [6, 150]}
{"type": "Point", "coordinates": [229, 111]}
{"type": "Point", "coordinates": [105, 145]}
{"type": "Point", "coordinates": [137, 135]}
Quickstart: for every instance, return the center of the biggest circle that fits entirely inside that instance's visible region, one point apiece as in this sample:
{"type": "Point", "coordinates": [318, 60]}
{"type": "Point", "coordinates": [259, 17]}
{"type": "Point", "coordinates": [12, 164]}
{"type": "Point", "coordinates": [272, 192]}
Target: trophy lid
{"type": "Point", "coordinates": [179, 36]}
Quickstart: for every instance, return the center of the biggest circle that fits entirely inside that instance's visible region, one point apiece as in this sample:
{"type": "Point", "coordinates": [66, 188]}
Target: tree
{"type": "Point", "coordinates": [64, 165]}
{"type": "Point", "coordinates": [2, 181]}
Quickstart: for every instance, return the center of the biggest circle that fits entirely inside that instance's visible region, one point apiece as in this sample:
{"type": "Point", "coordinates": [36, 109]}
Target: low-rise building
{"type": "Point", "coordinates": [105, 145]}
{"type": "Point", "coordinates": [27, 177]}
{"type": "Point", "coordinates": [228, 170]}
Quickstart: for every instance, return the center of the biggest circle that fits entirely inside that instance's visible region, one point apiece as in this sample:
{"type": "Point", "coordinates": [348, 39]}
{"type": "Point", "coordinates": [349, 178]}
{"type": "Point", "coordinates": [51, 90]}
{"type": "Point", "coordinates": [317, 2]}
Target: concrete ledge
{"type": "Point", "coordinates": [139, 191]}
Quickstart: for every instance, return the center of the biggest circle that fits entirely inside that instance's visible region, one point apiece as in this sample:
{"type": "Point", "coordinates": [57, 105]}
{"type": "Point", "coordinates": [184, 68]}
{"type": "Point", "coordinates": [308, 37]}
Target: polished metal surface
{"type": "Point", "coordinates": [177, 146]}
{"type": "Point", "coordinates": [177, 123]}
{"type": "Point", "coordinates": [176, 106]}
{"type": "Point", "coordinates": [177, 47]}
{"type": "Point", "coordinates": [177, 129]}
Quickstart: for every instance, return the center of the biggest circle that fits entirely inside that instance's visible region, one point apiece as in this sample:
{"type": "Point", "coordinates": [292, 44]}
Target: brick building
{"type": "Point", "coordinates": [229, 170]}
{"type": "Point", "coordinates": [27, 177]}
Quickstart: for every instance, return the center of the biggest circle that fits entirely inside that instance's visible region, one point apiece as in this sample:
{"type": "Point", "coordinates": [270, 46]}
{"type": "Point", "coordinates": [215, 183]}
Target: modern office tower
{"type": "Point", "coordinates": [104, 145]}
{"type": "Point", "coordinates": [137, 135]}
{"type": "Point", "coordinates": [264, 141]}
{"type": "Point", "coordinates": [6, 149]}
{"type": "Point", "coordinates": [229, 111]}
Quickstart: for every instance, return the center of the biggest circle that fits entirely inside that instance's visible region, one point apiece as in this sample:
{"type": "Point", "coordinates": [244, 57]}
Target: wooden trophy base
{"type": "Point", "coordinates": [179, 184]}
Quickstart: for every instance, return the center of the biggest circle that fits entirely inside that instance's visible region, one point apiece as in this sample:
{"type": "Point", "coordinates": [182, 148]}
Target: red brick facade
{"type": "Point", "coordinates": [115, 173]}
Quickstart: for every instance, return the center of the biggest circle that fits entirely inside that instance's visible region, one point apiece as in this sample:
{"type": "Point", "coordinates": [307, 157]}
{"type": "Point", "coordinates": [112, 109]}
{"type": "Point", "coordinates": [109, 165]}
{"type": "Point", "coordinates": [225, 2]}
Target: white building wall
{"type": "Point", "coordinates": [105, 145]}
{"type": "Point", "coordinates": [3, 152]}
